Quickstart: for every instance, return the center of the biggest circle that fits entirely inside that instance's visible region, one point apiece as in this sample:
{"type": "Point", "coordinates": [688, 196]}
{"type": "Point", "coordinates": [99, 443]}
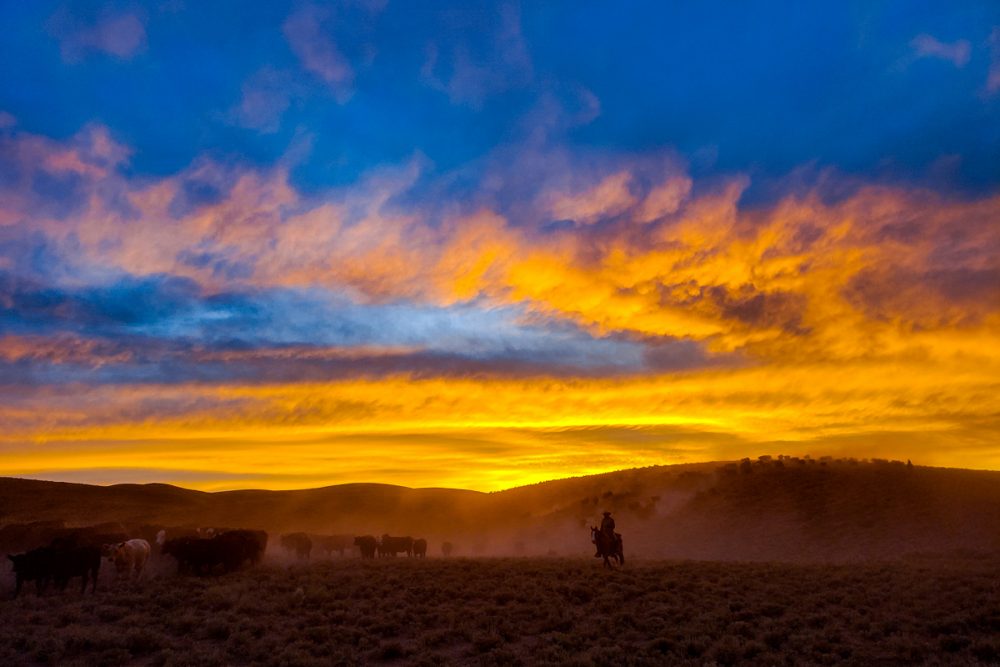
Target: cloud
{"type": "Point", "coordinates": [92, 152]}
{"type": "Point", "coordinates": [665, 199]}
{"type": "Point", "coordinates": [128, 303]}
{"type": "Point", "coordinates": [219, 304]}
{"type": "Point", "coordinates": [121, 35]}
{"type": "Point", "coordinates": [316, 50]}
{"type": "Point", "coordinates": [649, 259]}
{"type": "Point", "coordinates": [265, 97]}
{"type": "Point", "coordinates": [618, 193]}
{"type": "Point", "coordinates": [168, 330]}
{"type": "Point", "coordinates": [926, 46]}
{"type": "Point", "coordinates": [607, 199]}
{"type": "Point", "coordinates": [61, 349]}
{"type": "Point", "coordinates": [475, 426]}
{"type": "Point", "coordinates": [490, 59]}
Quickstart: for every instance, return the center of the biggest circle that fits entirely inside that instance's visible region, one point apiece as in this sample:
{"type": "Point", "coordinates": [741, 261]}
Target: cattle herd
{"type": "Point", "coordinates": [54, 554]}
{"type": "Point", "coordinates": [389, 546]}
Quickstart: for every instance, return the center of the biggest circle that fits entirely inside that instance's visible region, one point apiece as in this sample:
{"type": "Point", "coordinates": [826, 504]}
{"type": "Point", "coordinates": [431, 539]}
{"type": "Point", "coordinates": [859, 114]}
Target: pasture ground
{"type": "Point", "coordinates": [523, 611]}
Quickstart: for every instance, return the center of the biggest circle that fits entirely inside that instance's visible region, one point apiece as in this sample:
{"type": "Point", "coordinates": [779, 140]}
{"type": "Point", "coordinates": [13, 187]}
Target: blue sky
{"type": "Point", "coordinates": [761, 87]}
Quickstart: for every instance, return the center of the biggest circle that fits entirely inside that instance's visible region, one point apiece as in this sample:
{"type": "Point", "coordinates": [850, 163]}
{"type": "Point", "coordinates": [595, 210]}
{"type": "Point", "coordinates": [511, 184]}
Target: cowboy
{"type": "Point", "coordinates": [608, 528]}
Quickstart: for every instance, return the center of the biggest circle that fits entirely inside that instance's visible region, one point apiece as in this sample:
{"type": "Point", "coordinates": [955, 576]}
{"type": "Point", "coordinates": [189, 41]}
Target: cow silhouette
{"type": "Point", "coordinates": [298, 543]}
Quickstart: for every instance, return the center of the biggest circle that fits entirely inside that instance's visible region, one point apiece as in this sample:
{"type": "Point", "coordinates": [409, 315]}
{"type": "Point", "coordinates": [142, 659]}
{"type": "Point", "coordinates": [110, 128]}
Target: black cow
{"type": "Point", "coordinates": [35, 565]}
{"type": "Point", "coordinates": [331, 543]}
{"type": "Point", "coordinates": [59, 564]}
{"type": "Point", "coordinates": [193, 555]}
{"type": "Point", "coordinates": [390, 546]}
{"type": "Point", "coordinates": [420, 548]}
{"type": "Point", "coordinates": [201, 557]}
{"type": "Point", "coordinates": [240, 546]}
{"type": "Point", "coordinates": [298, 543]}
{"type": "Point", "coordinates": [81, 561]}
{"type": "Point", "coordinates": [367, 544]}
{"type": "Point", "coordinates": [260, 544]}
{"type": "Point", "coordinates": [173, 533]}
{"type": "Point", "coordinates": [225, 552]}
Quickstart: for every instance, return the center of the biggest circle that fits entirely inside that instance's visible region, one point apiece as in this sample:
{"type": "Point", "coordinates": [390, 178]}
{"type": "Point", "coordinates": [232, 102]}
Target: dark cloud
{"type": "Point", "coordinates": [759, 309]}
{"type": "Point", "coordinates": [169, 329]}
{"type": "Point", "coordinates": [202, 188]}
{"type": "Point", "coordinates": [935, 298]}
{"type": "Point", "coordinates": [27, 305]}
{"type": "Point", "coordinates": [745, 305]}
{"type": "Point", "coordinates": [143, 360]}
{"type": "Point", "coordinates": [670, 354]}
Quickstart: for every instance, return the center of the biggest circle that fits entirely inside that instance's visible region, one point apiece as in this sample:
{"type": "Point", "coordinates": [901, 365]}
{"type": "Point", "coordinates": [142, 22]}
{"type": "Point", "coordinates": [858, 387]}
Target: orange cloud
{"type": "Point", "coordinates": [830, 280]}
{"type": "Point", "coordinates": [607, 199]}
{"type": "Point", "coordinates": [664, 199]}
{"type": "Point", "coordinates": [869, 321]}
{"type": "Point", "coordinates": [463, 431]}
{"type": "Point", "coordinates": [803, 276]}
{"type": "Point", "coordinates": [60, 349]}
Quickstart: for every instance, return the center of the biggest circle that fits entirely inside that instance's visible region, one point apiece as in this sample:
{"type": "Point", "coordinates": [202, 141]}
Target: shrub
{"type": "Point", "coordinates": [141, 641]}
{"type": "Point", "coordinates": [391, 651]}
{"type": "Point", "coordinates": [504, 611]}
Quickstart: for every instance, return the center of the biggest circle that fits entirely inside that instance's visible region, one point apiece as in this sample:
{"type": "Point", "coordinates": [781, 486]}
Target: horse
{"type": "Point", "coordinates": [608, 548]}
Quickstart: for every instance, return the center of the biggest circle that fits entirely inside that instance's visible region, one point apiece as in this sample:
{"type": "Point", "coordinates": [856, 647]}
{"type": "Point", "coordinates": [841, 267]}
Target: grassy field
{"type": "Point", "coordinates": [523, 611]}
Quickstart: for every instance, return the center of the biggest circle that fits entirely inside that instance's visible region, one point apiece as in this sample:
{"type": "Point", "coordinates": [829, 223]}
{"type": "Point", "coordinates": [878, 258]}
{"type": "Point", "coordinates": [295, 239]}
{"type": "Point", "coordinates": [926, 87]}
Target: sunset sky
{"type": "Point", "coordinates": [480, 245]}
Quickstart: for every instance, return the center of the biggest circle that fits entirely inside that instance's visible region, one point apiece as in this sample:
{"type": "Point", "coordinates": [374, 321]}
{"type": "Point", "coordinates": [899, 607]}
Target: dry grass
{"type": "Point", "coordinates": [524, 611]}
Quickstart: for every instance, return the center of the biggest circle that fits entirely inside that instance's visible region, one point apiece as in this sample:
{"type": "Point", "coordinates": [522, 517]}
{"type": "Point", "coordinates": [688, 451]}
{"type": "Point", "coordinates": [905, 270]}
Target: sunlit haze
{"type": "Point", "coordinates": [480, 246]}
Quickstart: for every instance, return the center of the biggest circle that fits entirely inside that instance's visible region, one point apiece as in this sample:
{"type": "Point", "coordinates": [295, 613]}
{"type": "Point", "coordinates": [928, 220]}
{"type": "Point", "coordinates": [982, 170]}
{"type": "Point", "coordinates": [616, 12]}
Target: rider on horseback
{"type": "Point", "coordinates": [608, 528]}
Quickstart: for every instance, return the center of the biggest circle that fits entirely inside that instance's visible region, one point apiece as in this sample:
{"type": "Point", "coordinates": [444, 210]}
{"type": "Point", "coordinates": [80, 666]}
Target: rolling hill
{"type": "Point", "coordinates": [787, 509]}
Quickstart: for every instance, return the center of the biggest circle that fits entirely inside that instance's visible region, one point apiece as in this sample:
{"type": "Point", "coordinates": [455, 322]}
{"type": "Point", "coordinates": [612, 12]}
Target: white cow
{"type": "Point", "coordinates": [129, 557]}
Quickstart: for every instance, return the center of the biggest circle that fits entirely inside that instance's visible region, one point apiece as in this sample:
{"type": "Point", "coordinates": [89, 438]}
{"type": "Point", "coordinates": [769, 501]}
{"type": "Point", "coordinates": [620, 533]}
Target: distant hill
{"type": "Point", "coordinates": [768, 509]}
